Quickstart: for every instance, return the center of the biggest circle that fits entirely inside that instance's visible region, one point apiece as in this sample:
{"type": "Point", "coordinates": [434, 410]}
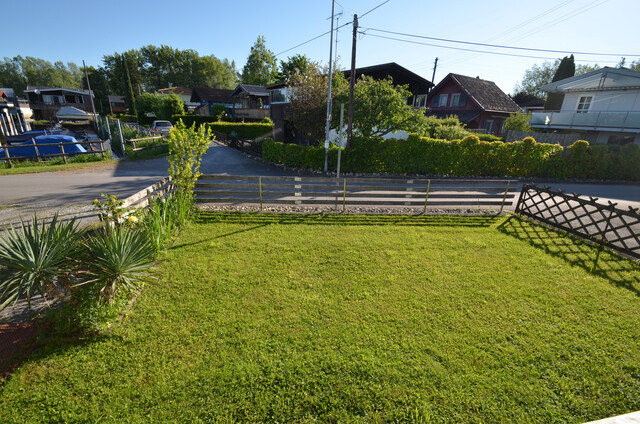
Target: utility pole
{"type": "Point", "coordinates": [328, 127]}
{"type": "Point", "coordinates": [93, 107]}
{"type": "Point", "coordinates": [433, 78]}
{"type": "Point", "coordinates": [352, 81]}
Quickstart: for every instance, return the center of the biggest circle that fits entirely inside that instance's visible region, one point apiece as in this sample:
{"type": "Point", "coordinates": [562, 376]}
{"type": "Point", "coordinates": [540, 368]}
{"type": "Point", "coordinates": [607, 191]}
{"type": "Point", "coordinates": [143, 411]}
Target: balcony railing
{"type": "Point", "coordinates": [618, 121]}
{"type": "Point", "coordinates": [251, 113]}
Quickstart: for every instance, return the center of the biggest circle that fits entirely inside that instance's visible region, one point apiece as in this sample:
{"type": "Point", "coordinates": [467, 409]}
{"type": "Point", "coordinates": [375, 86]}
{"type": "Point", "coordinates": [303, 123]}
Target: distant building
{"type": "Point", "coordinates": [118, 104]}
{"type": "Point", "coordinates": [601, 106]}
{"type": "Point", "coordinates": [184, 93]}
{"type": "Point", "coordinates": [280, 95]}
{"type": "Point", "coordinates": [12, 120]}
{"type": "Point", "coordinates": [478, 103]}
{"type": "Point", "coordinates": [45, 101]}
{"type": "Point", "coordinates": [206, 97]}
{"type": "Point", "coordinates": [253, 101]}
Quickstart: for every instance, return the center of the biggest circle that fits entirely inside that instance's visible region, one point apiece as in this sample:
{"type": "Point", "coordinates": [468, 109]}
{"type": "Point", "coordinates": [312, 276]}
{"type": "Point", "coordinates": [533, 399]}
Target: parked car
{"type": "Point", "coordinates": [163, 127]}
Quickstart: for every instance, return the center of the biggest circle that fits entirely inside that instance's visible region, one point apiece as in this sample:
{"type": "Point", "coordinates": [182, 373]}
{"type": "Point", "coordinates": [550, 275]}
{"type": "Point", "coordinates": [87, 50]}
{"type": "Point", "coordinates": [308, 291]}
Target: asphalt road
{"type": "Point", "coordinates": [73, 190]}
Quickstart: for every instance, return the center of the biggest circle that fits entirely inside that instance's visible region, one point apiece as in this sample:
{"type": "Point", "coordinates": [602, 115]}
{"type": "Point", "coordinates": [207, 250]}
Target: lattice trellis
{"type": "Point", "coordinates": [616, 228]}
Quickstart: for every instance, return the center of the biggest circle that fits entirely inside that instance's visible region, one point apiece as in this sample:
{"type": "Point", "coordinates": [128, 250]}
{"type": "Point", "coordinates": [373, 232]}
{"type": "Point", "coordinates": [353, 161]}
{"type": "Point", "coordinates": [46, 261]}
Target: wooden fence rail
{"type": "Point", "coordinates": [346, 192]}
{"type": "Point", "coordinates": [38, 156]}
{"type": "Point", "coordinates": [607, 225]}
{"type": "Point", "coordinates": [144, 196]}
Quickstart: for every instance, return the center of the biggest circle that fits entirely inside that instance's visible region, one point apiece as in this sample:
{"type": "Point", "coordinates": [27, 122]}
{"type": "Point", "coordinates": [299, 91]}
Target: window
{"type": "Point", "coordinates": [420, 100]}
{"type": "Point", "coordinates": [280, 95]}
{"type": "Point", "coordinates": [583, 104]}
{"type": "Point", "coordinates": [440, 100]}
{"type": "Point", "coordinates": [488, 126]}
{"type": "Point", "coordinates": [458, 100]}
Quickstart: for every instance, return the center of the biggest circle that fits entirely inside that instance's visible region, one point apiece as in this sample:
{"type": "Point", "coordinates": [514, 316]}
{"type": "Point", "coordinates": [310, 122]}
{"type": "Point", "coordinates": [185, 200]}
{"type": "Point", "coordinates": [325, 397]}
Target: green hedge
{"type": "Point", "coordinates": [468, 157]}
{"type": "Point", "coordinates": [193, 119]}
{"type": "Point", "coordinates": [244, 131]}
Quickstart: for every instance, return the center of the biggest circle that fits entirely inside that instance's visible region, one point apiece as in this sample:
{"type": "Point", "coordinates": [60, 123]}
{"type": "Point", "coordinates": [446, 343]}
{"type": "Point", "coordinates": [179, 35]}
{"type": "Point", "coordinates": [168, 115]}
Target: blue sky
{"type": "Point", "coordinates": [73, 30]}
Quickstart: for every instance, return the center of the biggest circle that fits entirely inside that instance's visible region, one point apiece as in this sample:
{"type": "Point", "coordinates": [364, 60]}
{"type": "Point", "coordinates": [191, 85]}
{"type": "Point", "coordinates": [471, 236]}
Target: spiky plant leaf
{"type": "Point", "coordinates": [119, 259]}
{"type": "Point", "coordinates": [35, 257]}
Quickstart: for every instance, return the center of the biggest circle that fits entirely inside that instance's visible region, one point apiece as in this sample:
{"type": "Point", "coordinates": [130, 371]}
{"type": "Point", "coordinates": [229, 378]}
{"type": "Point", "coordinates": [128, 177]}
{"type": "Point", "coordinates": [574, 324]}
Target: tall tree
{"type": "Point", "coordinates": [380, 107]}
{"type": "Point", "coordinates": [18, 72]}
{"type": "Point", "coordinates": [100, 87]}
{"type": "Point", "coordinates": [539, 75]}
{"type": "Point", "coordinates": [262, 66]}
{"type": "Point", "coordinates": [566, 69]}
{"type": "Point", "coordinates": [294, 64]}
{"type": "Point", "coordinates": [308, 107]}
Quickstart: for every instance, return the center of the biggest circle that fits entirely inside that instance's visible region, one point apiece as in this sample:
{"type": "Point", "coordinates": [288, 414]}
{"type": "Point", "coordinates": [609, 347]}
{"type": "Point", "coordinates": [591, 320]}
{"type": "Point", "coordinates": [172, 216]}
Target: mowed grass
{"type": "Point", "coordinates": [271, 318]}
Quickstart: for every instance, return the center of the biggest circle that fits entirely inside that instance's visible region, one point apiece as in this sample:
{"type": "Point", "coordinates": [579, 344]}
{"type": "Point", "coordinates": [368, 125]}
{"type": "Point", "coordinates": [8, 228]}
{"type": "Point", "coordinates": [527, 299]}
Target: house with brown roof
{"type": "Point", "coordinates": [253, 100]}
{"type": "Point", "coordinates": [478, 103]}
{"type": "Point", "coordinates": [207, 97]}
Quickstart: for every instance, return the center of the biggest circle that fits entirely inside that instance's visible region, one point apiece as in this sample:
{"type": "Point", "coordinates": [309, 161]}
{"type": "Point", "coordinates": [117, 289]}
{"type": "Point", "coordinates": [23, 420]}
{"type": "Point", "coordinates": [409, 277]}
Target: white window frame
{"type": "Point", "coordinates": [455, 99]}
{"type": "Point", "coordinates": [420, 100]}
{"type": "Point", "coordinates": [488, 126]}
{"type": "Point", "coordinates": [443, 100]}
{"type": "Point", "coordinates": [584, 104]}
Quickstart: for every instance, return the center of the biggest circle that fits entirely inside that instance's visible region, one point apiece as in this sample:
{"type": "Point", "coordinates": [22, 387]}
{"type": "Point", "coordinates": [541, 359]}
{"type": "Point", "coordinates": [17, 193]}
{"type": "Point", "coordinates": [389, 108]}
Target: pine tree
{"type": "Point", "coordinates": [566, 69]}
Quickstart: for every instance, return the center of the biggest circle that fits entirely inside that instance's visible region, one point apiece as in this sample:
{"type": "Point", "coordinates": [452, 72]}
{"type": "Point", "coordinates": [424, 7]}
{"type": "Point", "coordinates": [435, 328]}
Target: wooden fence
{"type": "Point", "coordinates": [607, 225]}
{"type": "Point", "coordinates": [38, 156]}
{"type": "Point", "coordinates": [144, 196]}
{"type": "Point", "coordinates": [345, 192]}
{"type": "Point", "coordinates": [154, 144]}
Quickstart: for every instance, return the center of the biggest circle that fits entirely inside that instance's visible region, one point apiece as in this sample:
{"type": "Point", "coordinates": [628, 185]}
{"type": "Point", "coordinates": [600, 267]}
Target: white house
{"type": "Point", "coordinates": [603, 106]}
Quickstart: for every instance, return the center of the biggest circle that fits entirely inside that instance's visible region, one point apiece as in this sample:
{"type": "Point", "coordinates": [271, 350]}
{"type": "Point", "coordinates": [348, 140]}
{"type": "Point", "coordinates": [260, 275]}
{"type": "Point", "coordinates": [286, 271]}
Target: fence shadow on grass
{"type": "Point", "coordinates": [257, 218]}
{"type": "Point", "coordinates": [622, 272]}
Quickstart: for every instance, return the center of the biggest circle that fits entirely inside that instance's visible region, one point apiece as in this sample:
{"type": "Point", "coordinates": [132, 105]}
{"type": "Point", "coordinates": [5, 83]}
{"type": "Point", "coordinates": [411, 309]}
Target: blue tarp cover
{"type": "Point", "coordinates": [30, 150]}
{"type": "Point", "coordinates": [28, 135]}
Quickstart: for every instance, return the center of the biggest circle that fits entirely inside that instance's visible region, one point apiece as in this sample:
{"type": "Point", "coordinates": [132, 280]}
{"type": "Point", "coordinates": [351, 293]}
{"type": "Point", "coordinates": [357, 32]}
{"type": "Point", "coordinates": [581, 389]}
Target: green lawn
{"type": "Point", "coordinates": [30, 167]}
{"type": "Point", "coordinates": [270, 318]}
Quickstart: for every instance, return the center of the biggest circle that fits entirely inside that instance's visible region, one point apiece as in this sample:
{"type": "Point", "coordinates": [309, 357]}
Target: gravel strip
{"type": "Point", "coordinates": [351, 210]}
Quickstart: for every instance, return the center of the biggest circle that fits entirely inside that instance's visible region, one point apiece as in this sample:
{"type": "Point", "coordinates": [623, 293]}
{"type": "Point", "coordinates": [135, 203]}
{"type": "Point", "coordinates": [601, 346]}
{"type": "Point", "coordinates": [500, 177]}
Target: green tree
{"type": "Point", "coordinates": [100, 87]}
{"type": "Point", "coordinates": [162, 106]}
{"type": "Point", "coordinates": [517, 122]}
{"type": "Point", "coordinates": [308, 107]}
{"type": "Point", "coordinates": [566, 69]}
{"type": "Point", "coordinates": [380, 107]}
{"type": "Point", "coordinates": [262, 66]}
{"type": "Point", "coordinates": [539, 75]}
{"type": "Point", "coordinates": [18, 72]}
{"type": "Point", "coordinates": [294, 64]}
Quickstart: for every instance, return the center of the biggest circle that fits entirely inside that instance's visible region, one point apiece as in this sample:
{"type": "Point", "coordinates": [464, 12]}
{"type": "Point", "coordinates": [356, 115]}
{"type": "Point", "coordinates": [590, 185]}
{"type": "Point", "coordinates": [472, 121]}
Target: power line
{"type": "Point", "coordinates": [313, 39]}
{"type": "Point", "coordinates": [366, 13]}
{"type": "Point", "coordinates": [329, 32]}
{"type": "Point", "coordinates": [501, 46]}
{"type": "Point", "coordinates": [472, 50]}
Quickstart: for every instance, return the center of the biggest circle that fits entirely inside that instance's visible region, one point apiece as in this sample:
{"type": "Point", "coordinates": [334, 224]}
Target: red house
{"type": "Point", "coordinates": [479, 104]}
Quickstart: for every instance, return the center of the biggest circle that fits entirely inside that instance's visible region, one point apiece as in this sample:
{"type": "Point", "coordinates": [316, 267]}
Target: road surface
{"type": "Point", "coordinates": [73, 191]}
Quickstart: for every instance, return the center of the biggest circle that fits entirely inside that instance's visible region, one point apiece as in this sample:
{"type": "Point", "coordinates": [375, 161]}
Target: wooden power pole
{"type": "Point", "coordinates": [352, 81]}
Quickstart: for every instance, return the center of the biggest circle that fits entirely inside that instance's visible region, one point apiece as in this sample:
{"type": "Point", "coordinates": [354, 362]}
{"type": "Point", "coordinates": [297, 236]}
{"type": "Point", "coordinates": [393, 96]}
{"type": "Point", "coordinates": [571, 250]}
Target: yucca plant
{"type": "Point", "coordinates": [159, 221]}
{"type": "Point", "coordinates": [37, 258]}
{"type": "Point", "coordinates": [119, 258]}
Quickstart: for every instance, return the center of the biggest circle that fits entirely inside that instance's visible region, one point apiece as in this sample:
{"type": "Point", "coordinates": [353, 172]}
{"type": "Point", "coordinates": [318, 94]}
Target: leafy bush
{"type": "Point", "coordinates": [489, 137]}
{"type": "Point", "coordinates": [517, 122]}
{"type": "Point", "coordinates": [470, 156]}
{"type": "Point", "coordinates": [243, 130]}
{"type": "Point", "coordinates": [186, 147]}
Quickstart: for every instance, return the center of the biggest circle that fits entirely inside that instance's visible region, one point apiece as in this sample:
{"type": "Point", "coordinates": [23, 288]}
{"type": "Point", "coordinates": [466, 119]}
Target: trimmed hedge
{"type": "Point", "coordinates": [467, 157]}
{"type": "Point", "coordinates": [193, 119]}
{"type": "Point", "coordinates": [250, 130]}
{"type": "Point", "coordinates": [244, 131]}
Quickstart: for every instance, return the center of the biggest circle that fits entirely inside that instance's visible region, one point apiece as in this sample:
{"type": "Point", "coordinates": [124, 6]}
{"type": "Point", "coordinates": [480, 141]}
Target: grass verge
{"type": "Point", "coordinates": [271, 318]}
{"type": "Point", "coordinates": [29, 167]}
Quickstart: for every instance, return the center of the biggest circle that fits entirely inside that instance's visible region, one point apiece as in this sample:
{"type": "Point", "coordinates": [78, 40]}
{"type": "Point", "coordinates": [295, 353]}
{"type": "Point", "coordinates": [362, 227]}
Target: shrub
{"type": "Point", "coordinates": [38, 259]}
{"type": "Point", "coordinates": [186, 147]}
{"type": "Point", "coordinates": [120, 258]}
{"type": "Point", "coordinates": [242, 130]}
{"type": "Point", "coordinates": [469, 157]}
